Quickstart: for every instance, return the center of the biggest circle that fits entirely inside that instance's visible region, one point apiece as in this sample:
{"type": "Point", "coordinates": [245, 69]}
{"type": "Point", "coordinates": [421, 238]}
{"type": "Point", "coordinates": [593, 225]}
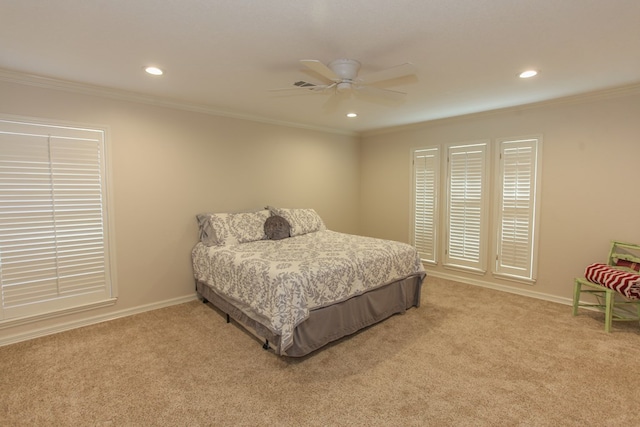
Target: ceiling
{"type": "Point", "coordinates": [224, 55]}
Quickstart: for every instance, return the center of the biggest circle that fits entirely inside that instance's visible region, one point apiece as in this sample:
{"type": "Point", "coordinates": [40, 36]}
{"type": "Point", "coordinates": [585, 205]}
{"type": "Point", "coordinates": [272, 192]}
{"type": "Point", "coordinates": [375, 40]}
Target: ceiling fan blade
{"type": "Point", "coordinates": [334, 101]}
{"type": "Point", "coordinates": [376, 91]}
{"type": "Point", "coordinates": [389, 73]}
{"type": "Point", "coordinates": [320, 68]}
{"type": "Point", "coordinates": [301, 85]}
{"type": "Point", "coordinates": [299, 89]}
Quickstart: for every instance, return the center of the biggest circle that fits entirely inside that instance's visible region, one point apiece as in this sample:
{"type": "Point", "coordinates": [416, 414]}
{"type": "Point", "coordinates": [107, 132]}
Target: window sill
{"type": "Point", "coordinates": [478, 271]}
{"type": "Point", "coordinates": [9, 323]}
{"type": "Point", "coordinates": [517, 279]}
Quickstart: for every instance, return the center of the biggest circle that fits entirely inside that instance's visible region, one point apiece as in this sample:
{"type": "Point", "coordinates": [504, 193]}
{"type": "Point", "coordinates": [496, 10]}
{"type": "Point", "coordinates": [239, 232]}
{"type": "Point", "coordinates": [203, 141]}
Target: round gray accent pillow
{"type": "Point", "coordinates": [276, 228]}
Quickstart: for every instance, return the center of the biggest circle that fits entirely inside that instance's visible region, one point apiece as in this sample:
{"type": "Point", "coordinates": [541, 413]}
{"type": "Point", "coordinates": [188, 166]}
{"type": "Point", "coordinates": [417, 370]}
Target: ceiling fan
{"type": "Point", "coordinates": [341, 77]}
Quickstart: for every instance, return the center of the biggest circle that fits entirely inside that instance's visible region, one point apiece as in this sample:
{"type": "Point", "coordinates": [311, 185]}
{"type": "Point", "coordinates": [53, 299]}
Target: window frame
{"type": "Point", "coordinates": [524, 271]}
{"type": "Point", "coordinates": [53, 129]}
{"type": "Point", "coordinates": [466, 261]}
{"type": "Point", "coordinates": [428, 255]}
{"type": "Point", "coordinates": [491, 224]}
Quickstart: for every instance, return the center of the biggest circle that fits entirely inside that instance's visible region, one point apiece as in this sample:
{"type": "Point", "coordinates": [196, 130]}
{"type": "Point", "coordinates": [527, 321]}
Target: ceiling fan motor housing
{"type": "Point", "coordinates": [347, 70]}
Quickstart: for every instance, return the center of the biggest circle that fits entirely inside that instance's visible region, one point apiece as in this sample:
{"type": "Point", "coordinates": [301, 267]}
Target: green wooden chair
{"type": "Point", "coordinates": [624, 257]}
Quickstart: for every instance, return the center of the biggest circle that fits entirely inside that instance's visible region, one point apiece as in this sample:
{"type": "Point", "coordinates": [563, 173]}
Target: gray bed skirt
{"type": "Point", "coordinates": [327, 324]}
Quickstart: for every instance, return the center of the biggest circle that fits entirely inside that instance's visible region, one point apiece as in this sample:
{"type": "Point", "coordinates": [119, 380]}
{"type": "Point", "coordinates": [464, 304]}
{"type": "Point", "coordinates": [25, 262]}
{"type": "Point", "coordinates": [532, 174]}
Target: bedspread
{"type": "Point", "coordinates": [277, 282]}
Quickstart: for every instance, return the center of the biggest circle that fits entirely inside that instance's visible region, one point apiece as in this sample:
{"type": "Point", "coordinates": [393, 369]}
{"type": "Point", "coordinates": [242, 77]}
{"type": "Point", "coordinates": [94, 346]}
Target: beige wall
{"type": "Point", "coordinates": [590, 165]}
{"type": "Point", "coordinates": [168, 165]}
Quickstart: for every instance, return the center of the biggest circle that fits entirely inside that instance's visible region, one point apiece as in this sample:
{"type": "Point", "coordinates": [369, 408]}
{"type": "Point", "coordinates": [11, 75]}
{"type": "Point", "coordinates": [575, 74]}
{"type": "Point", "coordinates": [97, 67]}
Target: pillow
{"type": "Point", "coordinates": [628, 264]}
{"type": "Point", "coordinates": [217, 229]}
{"type": "Point", "coordinates": [276, 228]}
{"type": "Point", "coordinates": [301, 221]}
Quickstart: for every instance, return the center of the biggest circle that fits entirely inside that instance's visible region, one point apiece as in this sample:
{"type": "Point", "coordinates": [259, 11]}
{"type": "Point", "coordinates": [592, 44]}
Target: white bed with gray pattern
{"type": "Point", "coordinates": [306, 290]}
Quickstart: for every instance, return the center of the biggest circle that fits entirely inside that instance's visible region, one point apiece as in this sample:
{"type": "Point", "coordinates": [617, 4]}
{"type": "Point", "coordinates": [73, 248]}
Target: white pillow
{"type": "Point", "coordinates": [302, 221]}
{"type": "Point", "coordinates": [218, 229]}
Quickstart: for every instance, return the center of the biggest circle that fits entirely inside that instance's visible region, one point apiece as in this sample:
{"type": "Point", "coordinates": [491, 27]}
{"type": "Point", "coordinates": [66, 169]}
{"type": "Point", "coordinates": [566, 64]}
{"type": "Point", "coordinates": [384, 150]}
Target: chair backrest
{"type": "Point", "coordinates": [625, 255]}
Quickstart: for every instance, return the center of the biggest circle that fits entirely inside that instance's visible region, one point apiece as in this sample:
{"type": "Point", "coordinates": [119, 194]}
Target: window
{"type": "Point", "coordinates": [426, 172]}
{"type": "Point", "coordinates": [466, 206]}
{"type": "Point", "coordinates": [54, 234]}
{"type": "Point", "coordinates": [518, 207]}
{"type": "Point", "coordinates": [466, 222]}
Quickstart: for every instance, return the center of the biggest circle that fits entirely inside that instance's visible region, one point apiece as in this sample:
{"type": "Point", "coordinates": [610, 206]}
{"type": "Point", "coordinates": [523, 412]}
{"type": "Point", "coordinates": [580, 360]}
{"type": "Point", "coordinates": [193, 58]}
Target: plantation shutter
{"type": "Point", "coordinates": [466, 206]}
{"type": "Point", "coordinates": [518, 167]}
{"type": "Point", "coordinates": [53, 234]}
{"type": "Point", "coordinates": [425, 180]}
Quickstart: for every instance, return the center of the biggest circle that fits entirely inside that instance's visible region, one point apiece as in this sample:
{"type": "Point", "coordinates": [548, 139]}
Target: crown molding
{"type": "Point", "coordinates": [608, 93]}
{"type": "Point", "coordinates": [105, 92]}
{"type": "Point", "coordinates": [121, 95]}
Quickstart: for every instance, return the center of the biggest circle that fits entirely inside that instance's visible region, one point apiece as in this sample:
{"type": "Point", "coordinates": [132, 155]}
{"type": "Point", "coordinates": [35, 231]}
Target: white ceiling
{"type": "Point", "coordinates": [224, 55]}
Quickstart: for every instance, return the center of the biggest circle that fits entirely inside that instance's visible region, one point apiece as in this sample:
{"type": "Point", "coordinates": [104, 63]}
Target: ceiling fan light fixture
{"type": "Point", "coordinates": [528, 74]}
{"type": "Point", "coordinates": [343, 86]}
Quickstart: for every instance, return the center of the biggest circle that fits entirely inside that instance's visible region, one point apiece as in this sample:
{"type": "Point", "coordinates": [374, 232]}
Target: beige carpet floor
{"type": "Point", "coordinates": [468, 356]}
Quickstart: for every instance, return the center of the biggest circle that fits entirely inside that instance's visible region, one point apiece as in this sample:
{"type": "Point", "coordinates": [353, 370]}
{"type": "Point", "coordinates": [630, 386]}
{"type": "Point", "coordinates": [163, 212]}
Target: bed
{"type": "Point", "coordinates": [285, 277]}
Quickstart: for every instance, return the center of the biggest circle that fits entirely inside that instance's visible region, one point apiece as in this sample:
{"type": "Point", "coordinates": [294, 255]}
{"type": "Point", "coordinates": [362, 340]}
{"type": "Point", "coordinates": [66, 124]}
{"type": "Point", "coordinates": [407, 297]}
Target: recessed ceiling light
{"type": "Point", "coordinates": [352, 115]}
{"type": "Point", "coordinates": [154, 71]}
{"type": "Point", "coordinates": [527, 74]}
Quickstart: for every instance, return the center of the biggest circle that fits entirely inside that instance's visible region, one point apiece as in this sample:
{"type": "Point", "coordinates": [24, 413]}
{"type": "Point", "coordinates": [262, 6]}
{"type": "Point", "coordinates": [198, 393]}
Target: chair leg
{"type": "Point", "coordinates": [608, 316]}
{"type": "Point", "coordinates": [576, 297]}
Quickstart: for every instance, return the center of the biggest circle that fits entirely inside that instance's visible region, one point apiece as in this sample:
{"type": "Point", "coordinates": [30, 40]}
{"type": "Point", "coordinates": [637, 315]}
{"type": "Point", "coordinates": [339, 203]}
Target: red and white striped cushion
{"type": "Point", "coordinates": [627, 284]}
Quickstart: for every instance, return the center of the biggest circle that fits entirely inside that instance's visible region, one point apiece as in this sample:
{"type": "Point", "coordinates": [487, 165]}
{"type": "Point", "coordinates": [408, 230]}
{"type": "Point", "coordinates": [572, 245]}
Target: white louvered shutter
{"type": "Point", "coordinates": [425, 183]}
{"type": "Point", "coordinates": [466, 206]}
{"type": "Point", "coordinates": [53, 243]}
{"type": "Point", "coordinates": [515, 243]}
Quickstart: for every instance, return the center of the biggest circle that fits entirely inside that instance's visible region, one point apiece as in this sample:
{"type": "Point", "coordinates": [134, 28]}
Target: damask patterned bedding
{"type": "Point", "coordinates": [277, 283]}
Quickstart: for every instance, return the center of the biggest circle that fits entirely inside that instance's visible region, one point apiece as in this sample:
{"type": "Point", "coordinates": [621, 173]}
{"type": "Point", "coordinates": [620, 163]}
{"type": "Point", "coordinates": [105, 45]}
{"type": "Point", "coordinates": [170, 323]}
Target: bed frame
{"type": "Point", "coordinates": [329, 323]}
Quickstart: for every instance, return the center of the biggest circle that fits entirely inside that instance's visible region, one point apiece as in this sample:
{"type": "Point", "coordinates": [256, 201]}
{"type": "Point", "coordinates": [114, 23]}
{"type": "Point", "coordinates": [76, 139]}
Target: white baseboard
{"type": "Point", "coordinates": [517, 291]}
{"type": "Point", "coordinates": [49, 330]}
